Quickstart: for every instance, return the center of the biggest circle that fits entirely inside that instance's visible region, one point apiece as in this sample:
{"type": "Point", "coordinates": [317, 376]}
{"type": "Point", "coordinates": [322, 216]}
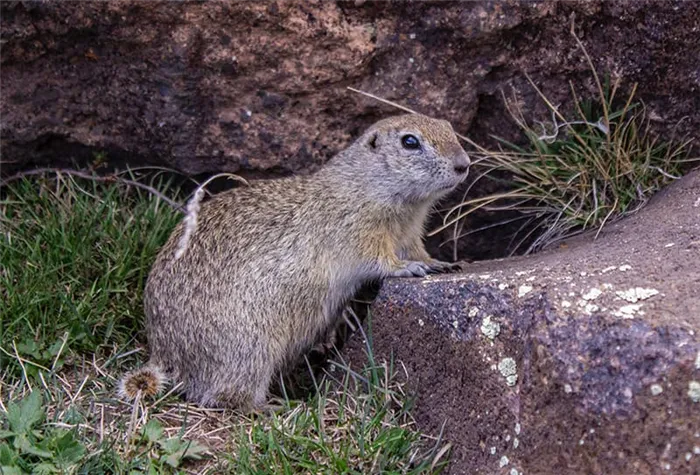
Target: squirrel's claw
{"type": "Point", "coordinates": [443, 267]}
{"type": "Point", "coordinates": [421, 269]}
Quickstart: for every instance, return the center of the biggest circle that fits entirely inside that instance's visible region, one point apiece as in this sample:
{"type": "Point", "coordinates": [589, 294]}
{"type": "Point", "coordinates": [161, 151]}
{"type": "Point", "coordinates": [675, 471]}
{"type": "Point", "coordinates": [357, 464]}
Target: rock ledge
{"type": "Point", "coordinates": [585, 359]}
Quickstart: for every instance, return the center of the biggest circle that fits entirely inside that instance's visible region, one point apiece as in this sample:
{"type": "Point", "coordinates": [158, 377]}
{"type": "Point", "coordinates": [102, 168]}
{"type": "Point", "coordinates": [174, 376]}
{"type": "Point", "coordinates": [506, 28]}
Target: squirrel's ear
{"type": "Point", "coordinates": [372, 141]}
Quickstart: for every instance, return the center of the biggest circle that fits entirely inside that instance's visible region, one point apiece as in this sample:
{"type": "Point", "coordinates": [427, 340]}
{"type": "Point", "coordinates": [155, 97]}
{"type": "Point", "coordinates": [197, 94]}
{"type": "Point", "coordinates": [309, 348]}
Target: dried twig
{"type": "Point", "coordinates": [551, 138]}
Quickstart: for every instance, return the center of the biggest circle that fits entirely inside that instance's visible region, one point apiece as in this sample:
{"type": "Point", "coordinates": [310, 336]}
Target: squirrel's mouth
{"type": "Point", "coordinates": [452, 185]}
{"type": "Point", "coordinates": [459, 179]}
{"type": "Point", "coordinates": [449, 187]}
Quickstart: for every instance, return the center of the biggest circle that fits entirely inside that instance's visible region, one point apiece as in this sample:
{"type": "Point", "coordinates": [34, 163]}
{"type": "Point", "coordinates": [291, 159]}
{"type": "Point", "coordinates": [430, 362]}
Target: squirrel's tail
{"type": "Point", "coordinates": [146, 381]}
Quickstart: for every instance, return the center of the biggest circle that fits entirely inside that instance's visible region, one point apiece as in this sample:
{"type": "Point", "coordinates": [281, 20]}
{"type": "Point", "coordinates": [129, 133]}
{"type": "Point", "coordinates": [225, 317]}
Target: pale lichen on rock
{"type": "Point", "coordinates": [592, 294]}
{"type": "Point", "coordinates": [490, 328]}
{"type": "Point", "coordinates": [509, 370]}
{"type": "Point", "coordinates": [636, 294]}
{"type": "Point", "coordinates": [628, 311]}
{"type": "Point", "coordinates": [503, 462]}
{"type": "Point", "coordinates": [694, 391]}
{"type": "Point", "coordinates": [523, 290]}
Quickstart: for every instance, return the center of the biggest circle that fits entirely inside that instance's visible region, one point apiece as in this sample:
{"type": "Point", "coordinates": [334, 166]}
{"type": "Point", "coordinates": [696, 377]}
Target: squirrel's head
{"type": "Point", "coordinates": [419, 154]}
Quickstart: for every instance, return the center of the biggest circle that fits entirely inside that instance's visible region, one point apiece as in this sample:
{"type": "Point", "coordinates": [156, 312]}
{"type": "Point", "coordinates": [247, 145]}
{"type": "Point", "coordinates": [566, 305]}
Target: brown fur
{"type": "Point", "coordinates": [270, 266]}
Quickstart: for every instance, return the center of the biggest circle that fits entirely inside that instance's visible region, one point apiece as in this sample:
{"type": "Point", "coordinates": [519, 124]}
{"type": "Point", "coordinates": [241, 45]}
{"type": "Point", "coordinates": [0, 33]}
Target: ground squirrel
{"type": "Point", "coordinates": [270, 266]}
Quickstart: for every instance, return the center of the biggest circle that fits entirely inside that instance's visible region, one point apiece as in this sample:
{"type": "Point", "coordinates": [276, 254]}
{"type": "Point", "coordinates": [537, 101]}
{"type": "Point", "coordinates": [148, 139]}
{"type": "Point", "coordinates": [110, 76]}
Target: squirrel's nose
{"type": "Point", "coordinates": [461, 163]}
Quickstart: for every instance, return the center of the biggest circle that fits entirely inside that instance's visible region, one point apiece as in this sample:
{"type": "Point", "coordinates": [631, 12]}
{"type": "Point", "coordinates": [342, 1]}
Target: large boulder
{"type": "Point", "coordinates": [584, 359]}
{"type": "Point", "coordinates": [256, 87]}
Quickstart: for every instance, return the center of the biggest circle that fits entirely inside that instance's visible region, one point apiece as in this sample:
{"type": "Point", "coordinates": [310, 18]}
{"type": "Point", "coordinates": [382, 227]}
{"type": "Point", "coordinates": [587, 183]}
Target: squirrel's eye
{"type": "Point", "coordinates": [410, 142]}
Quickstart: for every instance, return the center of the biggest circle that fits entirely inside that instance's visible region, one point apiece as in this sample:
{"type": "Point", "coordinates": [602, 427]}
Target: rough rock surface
{"type": "Point", "coordinates": [584, 359]}
{"type": "Point", "coordinates": [261, 86]}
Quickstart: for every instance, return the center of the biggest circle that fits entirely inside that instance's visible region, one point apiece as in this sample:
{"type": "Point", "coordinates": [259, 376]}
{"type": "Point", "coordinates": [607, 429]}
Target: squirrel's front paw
{"type": "Point", "coordinates": [412, 269]}
{"type": "Point", "coordinates": [442, 267]}
{"type": "Point", "coordinates": [421, 269]}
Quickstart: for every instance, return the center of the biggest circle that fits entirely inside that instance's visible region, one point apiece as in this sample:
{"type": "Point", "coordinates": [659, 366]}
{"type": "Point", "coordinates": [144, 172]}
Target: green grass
{"type": "Point", "coordinates": [359, 424]}
{"type": "Point", "coordinates": [74, 256]}
{"type": "Point", "coordinates": [597, 163]}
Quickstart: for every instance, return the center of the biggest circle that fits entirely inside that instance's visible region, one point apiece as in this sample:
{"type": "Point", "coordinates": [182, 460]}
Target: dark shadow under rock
{"type": "Point", "coordinates": [583, 359]}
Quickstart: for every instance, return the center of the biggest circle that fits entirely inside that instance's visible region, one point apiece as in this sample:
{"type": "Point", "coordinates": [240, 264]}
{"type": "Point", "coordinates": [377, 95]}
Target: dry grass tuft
{"type": "Point", "coordinates": [580, 171]}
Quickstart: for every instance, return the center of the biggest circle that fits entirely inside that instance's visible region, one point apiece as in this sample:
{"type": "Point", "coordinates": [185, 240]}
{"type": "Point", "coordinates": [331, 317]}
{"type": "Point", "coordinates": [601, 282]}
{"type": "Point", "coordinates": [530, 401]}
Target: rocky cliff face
{"type": "Point", "coordinates": [255, 87]}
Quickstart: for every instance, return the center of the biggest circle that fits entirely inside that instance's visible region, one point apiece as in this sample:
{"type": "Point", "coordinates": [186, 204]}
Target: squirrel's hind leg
{"type": "Point", "coordinates": [251, 398]}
